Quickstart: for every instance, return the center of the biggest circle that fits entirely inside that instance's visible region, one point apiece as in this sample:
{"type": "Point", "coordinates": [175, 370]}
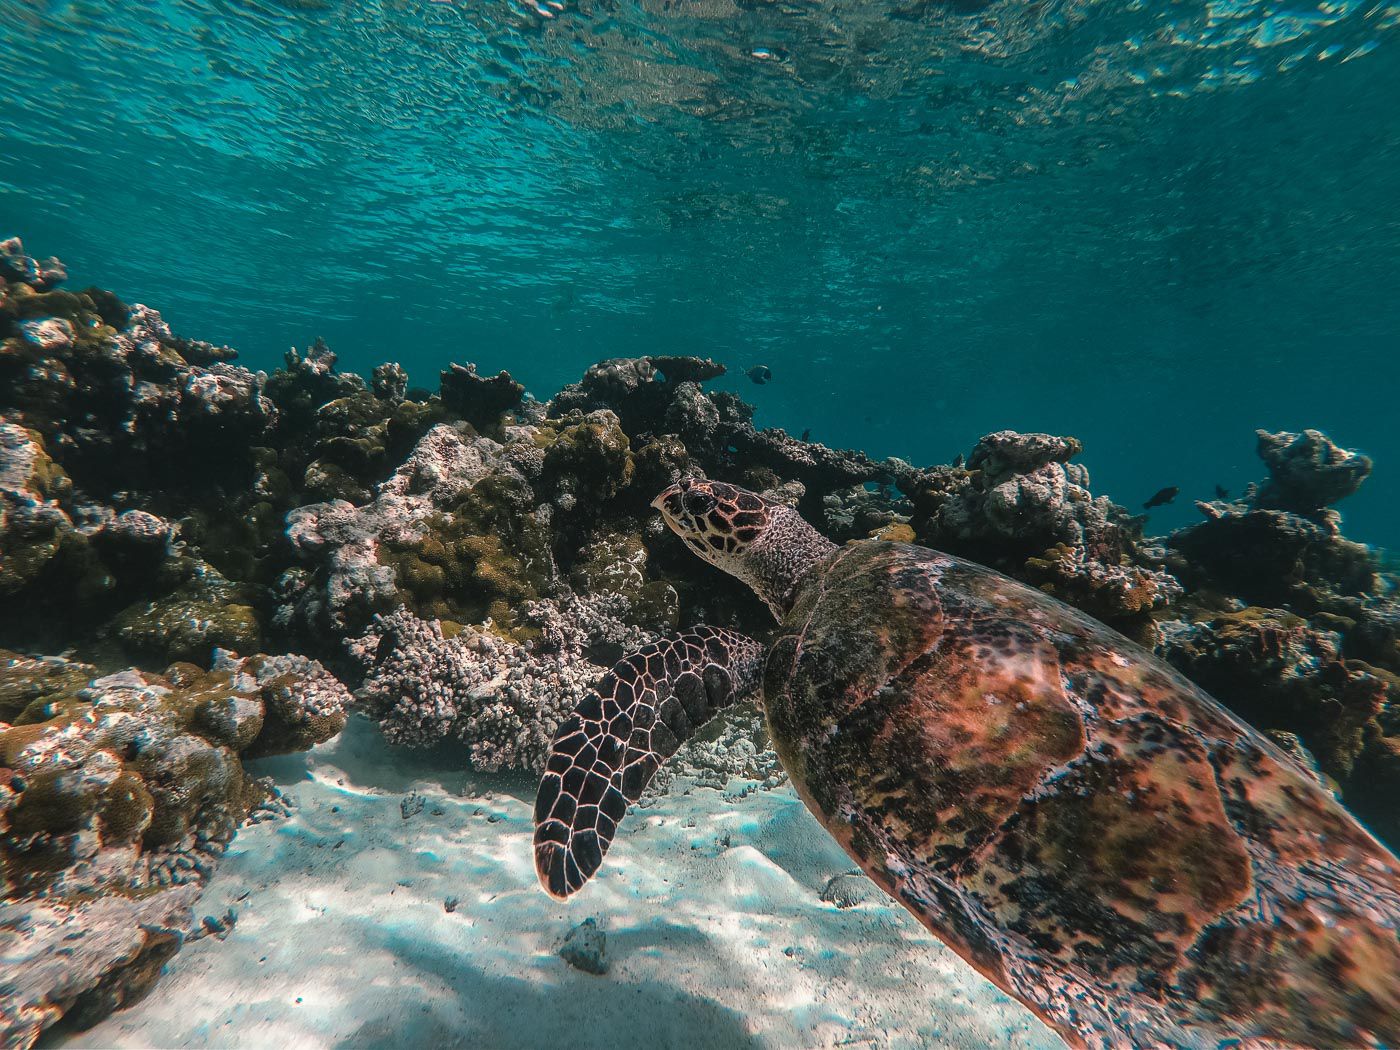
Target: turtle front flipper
{"type": "Point", "coordinates": [606, 752]}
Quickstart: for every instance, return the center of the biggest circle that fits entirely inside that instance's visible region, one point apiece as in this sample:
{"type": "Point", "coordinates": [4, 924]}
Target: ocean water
{"type": "Point", "coordinates": [1156, 226]}
{"type": "Point", "coordinates": [289, 669]}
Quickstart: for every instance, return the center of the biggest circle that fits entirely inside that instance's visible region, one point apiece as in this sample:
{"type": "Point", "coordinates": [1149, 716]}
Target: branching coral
{"type": "Point", "coordinates": [427, 681]}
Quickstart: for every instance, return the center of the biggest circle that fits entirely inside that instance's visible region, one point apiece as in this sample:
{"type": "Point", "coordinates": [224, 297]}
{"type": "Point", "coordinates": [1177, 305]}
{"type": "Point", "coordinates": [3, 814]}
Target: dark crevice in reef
{"type": "Point", "coordinates": [222, 557]}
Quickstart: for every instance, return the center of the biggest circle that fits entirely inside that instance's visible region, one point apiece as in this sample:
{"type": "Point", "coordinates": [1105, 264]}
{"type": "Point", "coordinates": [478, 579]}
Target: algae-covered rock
{"type": "Point", "coordinates": [1112, 592]}
{"type": "Point", "coordinates": [1282, 673]}
{"type": "Point", "coordinates": [480, 400]}
{"type": "Point", "coordinates": [484, 555]}
{"type": "Point", "coordinates": [27, 680]}
{"type": "Point", "coordinates": [1273, 557]}
{"type": "Point", "coordinates": [206, 613]}
{"type": "Point", "coordinates": [454, 534]}
{"type": "Point", "coordinates": [33, 524]}
{"type": "Point", "coordinates": [18, 268]}
{"type": "Point", "coordinates": [586, 456]}
{"type": "Point", "coordinates": [303, 704]}
{"type": "Point", "coordinates": [615, 562]}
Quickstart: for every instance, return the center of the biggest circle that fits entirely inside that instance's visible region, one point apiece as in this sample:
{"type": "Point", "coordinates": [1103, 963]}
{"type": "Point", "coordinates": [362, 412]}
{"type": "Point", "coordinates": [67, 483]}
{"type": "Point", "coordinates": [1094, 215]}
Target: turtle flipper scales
{"type": "Point", "coordinates": [607, 751]}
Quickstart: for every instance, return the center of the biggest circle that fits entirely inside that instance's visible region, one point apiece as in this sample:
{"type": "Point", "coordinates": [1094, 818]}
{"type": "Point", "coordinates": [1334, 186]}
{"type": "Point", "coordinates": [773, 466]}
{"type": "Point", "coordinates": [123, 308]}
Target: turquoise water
{"type": "Point", "coordinates": [1155, 226]}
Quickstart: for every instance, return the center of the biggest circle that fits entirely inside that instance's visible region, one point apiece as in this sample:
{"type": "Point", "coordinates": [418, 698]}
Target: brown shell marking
{"type": "Point", "coordinates": [1097, 836]}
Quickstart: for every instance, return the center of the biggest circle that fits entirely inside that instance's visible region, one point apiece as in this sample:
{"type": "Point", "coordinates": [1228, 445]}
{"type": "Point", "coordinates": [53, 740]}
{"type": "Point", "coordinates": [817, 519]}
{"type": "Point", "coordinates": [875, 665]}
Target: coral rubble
{"type": "Point", "coordinates": [468, 562]}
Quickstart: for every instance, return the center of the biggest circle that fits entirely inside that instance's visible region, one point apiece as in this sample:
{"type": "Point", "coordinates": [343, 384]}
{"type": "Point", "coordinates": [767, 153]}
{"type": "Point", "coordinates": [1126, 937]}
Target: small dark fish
{"type": "Point", "coordinates": [1161, 497]}
{"type": "Point", "coordinates": [958, 460]}
{"type": "Point", "coordinates": [760, 374]}
{"type": "Point", "coordinates": [807, 434]}
{"type": "Point", "coordinates": [1221, 492]}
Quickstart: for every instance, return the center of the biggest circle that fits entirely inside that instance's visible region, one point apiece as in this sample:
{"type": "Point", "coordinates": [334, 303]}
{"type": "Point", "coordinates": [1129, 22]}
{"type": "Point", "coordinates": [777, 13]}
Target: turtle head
{"type": "Point", "coordinates": [764, 543]}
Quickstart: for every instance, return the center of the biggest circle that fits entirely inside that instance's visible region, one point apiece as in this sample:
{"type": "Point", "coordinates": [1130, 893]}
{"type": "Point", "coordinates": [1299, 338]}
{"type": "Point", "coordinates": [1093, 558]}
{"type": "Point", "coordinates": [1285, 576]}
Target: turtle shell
{"type": "Point", "coordinates": [1096, 835]}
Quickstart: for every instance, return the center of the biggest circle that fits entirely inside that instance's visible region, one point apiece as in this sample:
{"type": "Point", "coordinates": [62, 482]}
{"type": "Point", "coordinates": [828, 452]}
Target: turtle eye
{"type": "Point", "coordinates": [698, 503]}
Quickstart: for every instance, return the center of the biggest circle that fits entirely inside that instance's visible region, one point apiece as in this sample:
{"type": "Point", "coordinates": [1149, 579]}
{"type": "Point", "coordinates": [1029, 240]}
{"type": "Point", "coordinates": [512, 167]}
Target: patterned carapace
{"type": "Point", "coordinates": [1093, 833]}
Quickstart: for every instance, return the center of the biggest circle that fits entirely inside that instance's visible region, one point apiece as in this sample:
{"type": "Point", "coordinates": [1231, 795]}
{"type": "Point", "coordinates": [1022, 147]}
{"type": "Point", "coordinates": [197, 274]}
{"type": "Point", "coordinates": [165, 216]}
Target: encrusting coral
{"type": "Point", "coordinates": [470, 561]}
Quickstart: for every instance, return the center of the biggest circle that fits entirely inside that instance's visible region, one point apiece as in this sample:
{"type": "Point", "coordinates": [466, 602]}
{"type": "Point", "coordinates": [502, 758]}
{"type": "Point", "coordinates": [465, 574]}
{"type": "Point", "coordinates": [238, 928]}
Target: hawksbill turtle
{"type": "Point", "coordinates": [1093, 833]}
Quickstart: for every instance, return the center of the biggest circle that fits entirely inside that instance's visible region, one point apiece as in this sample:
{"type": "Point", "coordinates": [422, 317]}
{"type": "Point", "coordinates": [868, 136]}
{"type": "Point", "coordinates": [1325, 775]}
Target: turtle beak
{"type": "Point", "coordinates": [669, 502]}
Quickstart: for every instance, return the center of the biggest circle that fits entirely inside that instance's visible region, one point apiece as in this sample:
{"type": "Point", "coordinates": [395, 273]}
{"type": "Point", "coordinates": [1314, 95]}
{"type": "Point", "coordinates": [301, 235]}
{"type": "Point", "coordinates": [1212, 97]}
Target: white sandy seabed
{"type": "Point", "coordinates": [716, 933]}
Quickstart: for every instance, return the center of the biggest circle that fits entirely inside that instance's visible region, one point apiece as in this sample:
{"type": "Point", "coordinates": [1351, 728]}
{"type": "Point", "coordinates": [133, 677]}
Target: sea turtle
{"type": "Point", "coordinates": [1093, 833]}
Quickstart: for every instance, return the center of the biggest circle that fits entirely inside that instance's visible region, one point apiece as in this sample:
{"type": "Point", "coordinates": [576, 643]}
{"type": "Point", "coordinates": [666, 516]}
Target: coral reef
{"type": "Point", "coordinates": [1020, 505]}
{"type": "Point", "coordinates": [1308, 471]}
{"type": "Point", "coordinates": [1292, 624]}
{"type": "Point", "coordinates": [469, 561]}
{"type": "Point", "coordinates": [428, 681]}
{"type": "Point", "coordinates": [117, 795]}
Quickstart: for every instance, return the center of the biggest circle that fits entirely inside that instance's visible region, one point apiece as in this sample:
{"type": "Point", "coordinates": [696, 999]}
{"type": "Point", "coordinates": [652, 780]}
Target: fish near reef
{"type": "Point", "coordinates": [1079, 822]}
{"type": "Point", "coordinates": [1161, 497]}
{"type": "Point", "coordinates": [760, 374]}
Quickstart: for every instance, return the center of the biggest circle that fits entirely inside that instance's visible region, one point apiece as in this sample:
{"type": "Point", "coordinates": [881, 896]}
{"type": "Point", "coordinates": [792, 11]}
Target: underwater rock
{"type": "Point", "coordinates": [315, 372]}
{"type": "Point", "coordinates": [1021, 506]}
{"type": "Point", "coordinates": [1110, 592]}
{"type": "Point", "coordinates": [1007, 452]}
{"type": "Point", "coordinates": [390, 381]}
{"type": "Point", "coordinates": [303, 704]}
{"type": "Point", "coordinates": [1022, 490]}
{"type": "Point", "coordinates": [1281, 544]}
{"type": "Point", "coordinates": [136, 531]}
{"type": "Point", "coordinates": [629, 386]}
{"type": "Point", "coordinates": [119, 400]}
{"type": "Point", "coordinates": [1272, 557]}
{"type": "Point", "coordinates": [205, 614]}
{"type": "Point", "coordinates": [117, 796]}
{"type": "Point", "coordinates": [480, 401]}
{"type": "Point", "coordinates": [337, 436]}
{"type": "Point", "coordinates": [850, 889]}
{"type": "Point", "coordinates": [585, 948]}
{"type": "Point", "coordinates": [615, 562]}
{"type": "Point", "coordinates": [354, 575]}
{"type": "Point", "coordinates": [33, 525]}
{"type": "Point", "coordinates": [740, 748]}
{"type": "Point", "coordinates": [427, 681]}
{"type": "Point", "coordinates": [1281, 673]}
{"type": "Point", "coordinates": [18, 268]}
{"type": "Point", "coordinates": [84, 958]}
{"type": "Point", "coordinates": [586, 456]}
{"type": "Point", "coordinates": [1308, 471]}
{"type": "Point", "coordinates": [821, 470]}
{"type": "Point", "coordinates": [854, 513]}
{"type": "Point", "coordinates": [309, 381]}
{"type": "Point", "coordinates": [662, 407]}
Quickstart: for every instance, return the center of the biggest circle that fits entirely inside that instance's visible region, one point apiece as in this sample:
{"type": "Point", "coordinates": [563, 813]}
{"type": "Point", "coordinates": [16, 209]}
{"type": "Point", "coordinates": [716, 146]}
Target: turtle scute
{"type": "Point", "coordinates": [1096, 835]}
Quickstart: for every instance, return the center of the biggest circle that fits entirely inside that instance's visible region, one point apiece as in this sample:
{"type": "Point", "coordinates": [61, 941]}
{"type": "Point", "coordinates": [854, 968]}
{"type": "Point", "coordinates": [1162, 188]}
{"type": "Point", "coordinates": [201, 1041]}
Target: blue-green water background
{"type": "Point", "coordinates": [1153, 225]}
